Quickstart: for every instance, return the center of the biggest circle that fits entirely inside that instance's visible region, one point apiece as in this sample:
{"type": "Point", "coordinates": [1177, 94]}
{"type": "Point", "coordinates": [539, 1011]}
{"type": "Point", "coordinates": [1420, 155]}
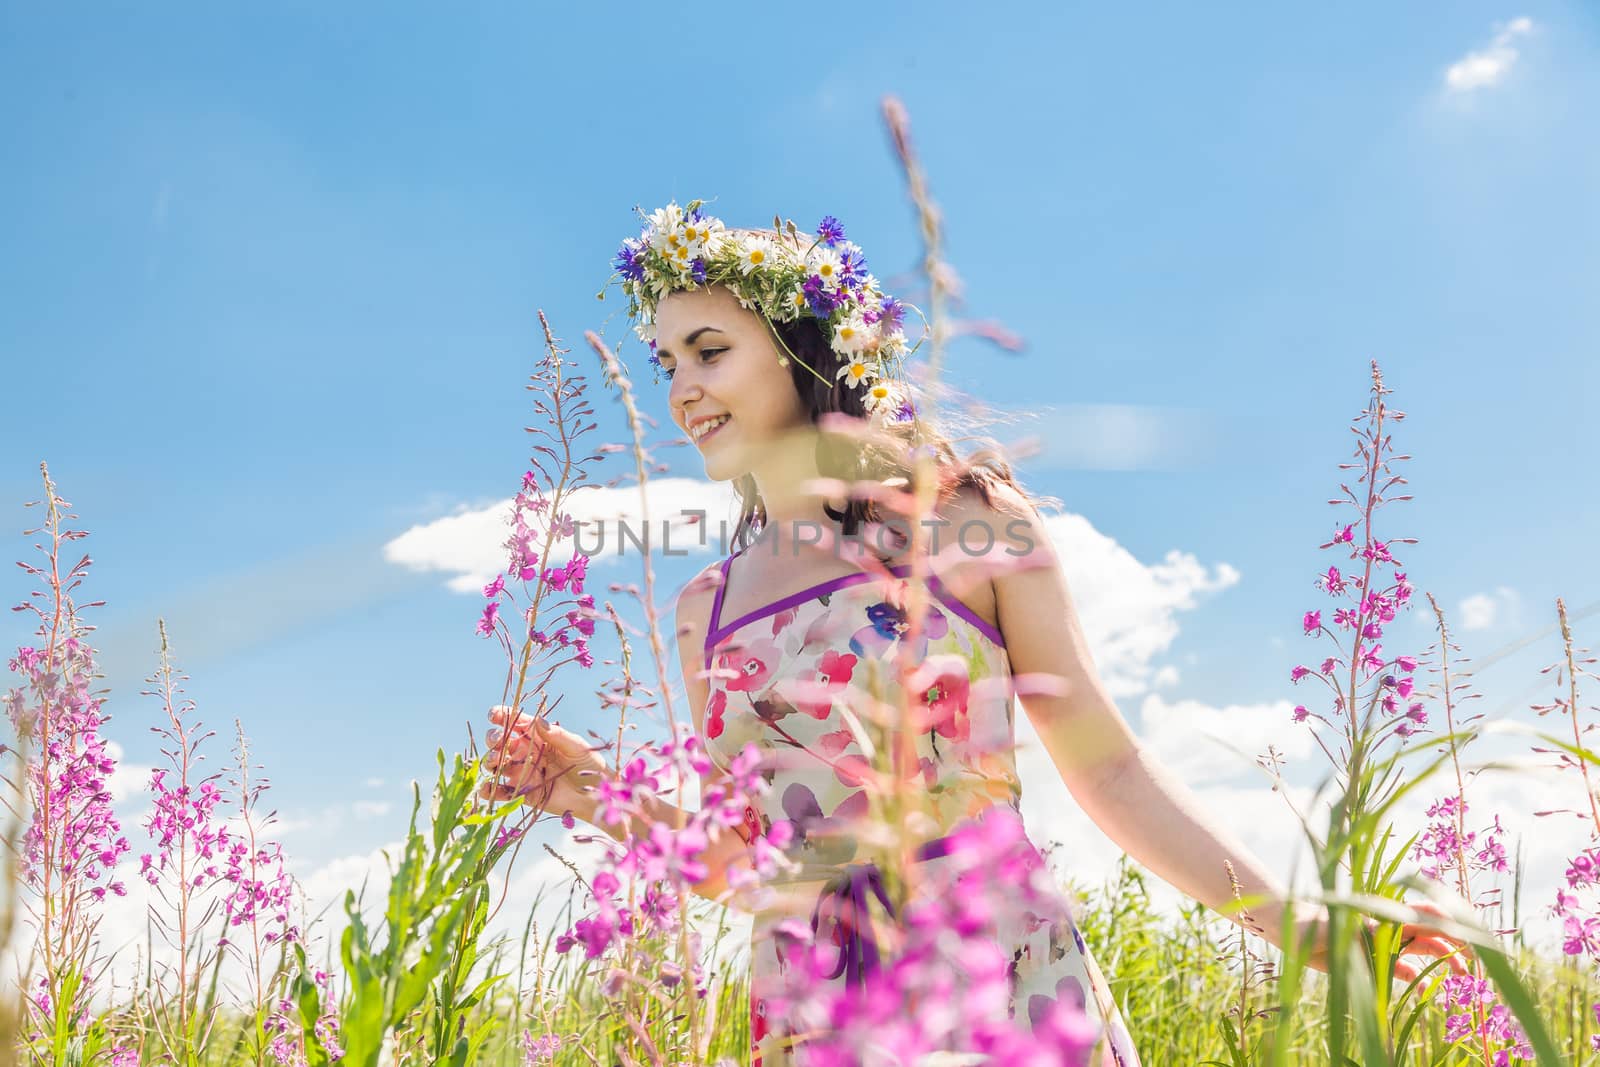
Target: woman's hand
{"type": "Point", "coordinates": [1416, 939]}
{"type": "Point", "coordinates": [552, 769]}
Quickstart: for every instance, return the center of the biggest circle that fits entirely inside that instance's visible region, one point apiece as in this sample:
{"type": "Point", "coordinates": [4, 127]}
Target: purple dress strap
{"type": "Point", "coordinates": [716, 609]}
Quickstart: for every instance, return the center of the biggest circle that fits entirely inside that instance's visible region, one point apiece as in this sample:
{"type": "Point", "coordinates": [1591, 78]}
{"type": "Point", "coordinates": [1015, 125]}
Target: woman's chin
{"type": "Point", "coordinates": [722, 469]}
{"type": "Point", "coordinates": [724, 461]}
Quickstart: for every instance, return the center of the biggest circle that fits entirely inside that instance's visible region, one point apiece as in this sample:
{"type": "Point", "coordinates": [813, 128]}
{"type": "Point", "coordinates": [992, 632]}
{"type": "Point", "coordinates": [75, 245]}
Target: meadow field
{"type": "Point", "coordinates": [639, 971]}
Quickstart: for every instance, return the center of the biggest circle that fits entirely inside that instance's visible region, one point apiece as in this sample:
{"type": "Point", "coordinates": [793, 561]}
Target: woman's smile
{"type": "Point", "coordinates": [702, 432]}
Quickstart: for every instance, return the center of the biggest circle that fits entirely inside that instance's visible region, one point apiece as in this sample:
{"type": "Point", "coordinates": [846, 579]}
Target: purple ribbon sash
{"type": "Point", "coordinates": [858, 955]}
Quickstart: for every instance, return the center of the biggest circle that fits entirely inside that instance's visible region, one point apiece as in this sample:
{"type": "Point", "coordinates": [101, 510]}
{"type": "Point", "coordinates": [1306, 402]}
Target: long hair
{"type": "Point", "coordinates": [881, 457]}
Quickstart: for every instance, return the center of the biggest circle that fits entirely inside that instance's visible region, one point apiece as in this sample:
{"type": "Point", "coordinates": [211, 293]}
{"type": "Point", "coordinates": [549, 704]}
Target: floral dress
{"type": "Point", "coordinates": [787, 665]}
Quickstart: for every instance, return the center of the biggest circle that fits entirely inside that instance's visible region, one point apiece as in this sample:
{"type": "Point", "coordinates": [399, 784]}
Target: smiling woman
{"type": "Point", "coordinates": [883, 719]}
{"type": "Point", "coordinates": [754, 386]}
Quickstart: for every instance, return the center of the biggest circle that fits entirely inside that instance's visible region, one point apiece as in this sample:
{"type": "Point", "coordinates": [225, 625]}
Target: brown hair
{"type": "Point", "coordinates": [880, 457]}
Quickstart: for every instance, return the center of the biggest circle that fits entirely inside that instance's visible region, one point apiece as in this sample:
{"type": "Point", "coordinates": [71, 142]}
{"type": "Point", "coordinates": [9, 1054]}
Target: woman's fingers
{"type": "Point", "coordinates": [510, 717]}
{"type": "Point", "coordinates": [1417, 931]}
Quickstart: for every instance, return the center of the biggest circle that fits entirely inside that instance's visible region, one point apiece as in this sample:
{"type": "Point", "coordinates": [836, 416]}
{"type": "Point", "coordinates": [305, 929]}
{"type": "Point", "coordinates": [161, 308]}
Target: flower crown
{"type": "Point", "coordinates": [783, 280]}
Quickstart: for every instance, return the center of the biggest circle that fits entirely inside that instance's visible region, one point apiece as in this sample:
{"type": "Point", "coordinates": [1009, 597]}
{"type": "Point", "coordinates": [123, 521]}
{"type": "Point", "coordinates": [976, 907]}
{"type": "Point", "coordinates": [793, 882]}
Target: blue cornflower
{"type": "Point", "coordinates": [892, 313]}
{"type": "Point", "coordinates": [830, 231]}
{"type": "Point", "coordinates": [852, 267]}
{"type": "Point", "coordinates": [905, 413]}
{"type": "Point", "coordinates": [697, 269]}
{"type": "Point", "coordinates": [630, 260]}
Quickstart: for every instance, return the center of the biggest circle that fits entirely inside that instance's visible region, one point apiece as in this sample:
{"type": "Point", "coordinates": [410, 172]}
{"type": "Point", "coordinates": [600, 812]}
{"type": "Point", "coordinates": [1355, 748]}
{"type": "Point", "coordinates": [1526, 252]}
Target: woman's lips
{"type": "Point", "coordinates": [701, 441]}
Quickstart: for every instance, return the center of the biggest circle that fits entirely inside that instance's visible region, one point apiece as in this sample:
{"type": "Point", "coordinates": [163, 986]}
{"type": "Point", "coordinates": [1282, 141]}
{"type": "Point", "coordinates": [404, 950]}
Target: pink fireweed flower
{"type": "Point", "coordinates": [942, 986]}
{"type": "Point", "coordinates": [1366, 606]}
{"type": "Point", "coordinates": [665, 864]}
{"type": "Point", "coordinates": [537, 1050]}
{"type": "Point", "coordinates": [72, 842]}
{"type": "Point", "coordinates": [486, 622]}
{"type": "Point", "coordinates": [1477, 1000]}
{"type": "Point", "coordinates": [1582, 868]}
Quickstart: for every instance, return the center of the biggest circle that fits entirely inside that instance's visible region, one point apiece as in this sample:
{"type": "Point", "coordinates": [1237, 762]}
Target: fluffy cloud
{"type": "Point", "coordinates": [1484, 610]}
{"type": "Point", "coordinates": [1129, 610]}
{"type": "Point", "coordinates": [1490, 66]}
{"type": "Point", "coordinates": [469, 545]}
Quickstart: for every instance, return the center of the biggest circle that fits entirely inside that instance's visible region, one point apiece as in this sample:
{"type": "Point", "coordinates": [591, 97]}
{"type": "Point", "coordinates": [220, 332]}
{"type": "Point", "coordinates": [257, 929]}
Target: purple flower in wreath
{"type": "Point", "coordinates": [629, 261]}
{"type": "Point", "coordinates": [887, 622]}
{"type": "Point", "coordinates": [820, 296]}
{"type": "Point", "coordinates": [891, 313]}
{"type": "Point", "coordinates": [830, 231]}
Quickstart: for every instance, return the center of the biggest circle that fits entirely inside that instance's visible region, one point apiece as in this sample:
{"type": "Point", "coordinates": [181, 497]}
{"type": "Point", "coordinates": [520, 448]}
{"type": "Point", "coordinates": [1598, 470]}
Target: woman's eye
{"type": "Point", "coordinates": [705, 353]}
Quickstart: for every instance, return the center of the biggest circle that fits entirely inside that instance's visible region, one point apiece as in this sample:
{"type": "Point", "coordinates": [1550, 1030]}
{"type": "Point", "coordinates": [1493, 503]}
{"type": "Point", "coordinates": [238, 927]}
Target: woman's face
{"type": "Point", "coordinates": [723, 364]}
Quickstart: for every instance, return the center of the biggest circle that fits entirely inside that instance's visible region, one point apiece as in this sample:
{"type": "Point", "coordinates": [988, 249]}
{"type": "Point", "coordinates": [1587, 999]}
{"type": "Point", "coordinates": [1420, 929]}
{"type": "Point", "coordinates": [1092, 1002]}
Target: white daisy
{"type": "Point", "coordinates": [852, 334]}
{"type": "Point", "coordinates": [824, 263]}
{"type": "Point", "coordinates": [755, 253]}
{"type": "Point", "coordinates": [856, 371]}
{"type": "Point", "coordinates": [701, 233]}
{"type": "Point", "coordinates": [664, 221]}
{"type": "Point", "coordinates": [881, 395]}
{"type": "Point", "coordinates": [682, 256]}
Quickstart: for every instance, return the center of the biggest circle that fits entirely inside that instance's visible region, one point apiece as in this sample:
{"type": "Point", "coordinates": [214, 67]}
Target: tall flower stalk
{"type": "Point", "coordinates": [1578, 903]}
{"type": "Point", "coordinates": [192, 845]}
{"type": "Point", "coordinates": [73, 841]}
{"type": "Point", "coordinates": [258, 908]}
{"type": "Point", "coordinates": [1374, 708]}
{"type": "Point", "coordinates": [1447, 849]}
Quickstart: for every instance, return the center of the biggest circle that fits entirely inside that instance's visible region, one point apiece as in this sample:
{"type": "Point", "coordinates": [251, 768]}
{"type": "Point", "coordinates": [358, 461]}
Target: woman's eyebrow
{"type": "Point", "coordinates": [689, 340]}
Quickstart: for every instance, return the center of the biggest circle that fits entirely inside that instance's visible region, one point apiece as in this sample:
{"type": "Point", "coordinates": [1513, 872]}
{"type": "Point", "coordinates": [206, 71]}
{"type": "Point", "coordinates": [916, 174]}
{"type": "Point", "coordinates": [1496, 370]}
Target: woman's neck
{"type": "Point", "coordinates": [795, 511]}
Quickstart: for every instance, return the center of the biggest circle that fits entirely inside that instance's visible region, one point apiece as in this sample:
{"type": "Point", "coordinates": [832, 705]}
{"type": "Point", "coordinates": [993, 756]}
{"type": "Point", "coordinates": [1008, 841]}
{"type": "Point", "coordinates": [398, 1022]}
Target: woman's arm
{"type": "Point", "coordinates": [1137, 802]}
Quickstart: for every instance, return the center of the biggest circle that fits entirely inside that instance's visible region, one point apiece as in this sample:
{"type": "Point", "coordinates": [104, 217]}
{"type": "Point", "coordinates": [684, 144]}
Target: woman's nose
{"type": "Point", "coordinates": [684, 389]}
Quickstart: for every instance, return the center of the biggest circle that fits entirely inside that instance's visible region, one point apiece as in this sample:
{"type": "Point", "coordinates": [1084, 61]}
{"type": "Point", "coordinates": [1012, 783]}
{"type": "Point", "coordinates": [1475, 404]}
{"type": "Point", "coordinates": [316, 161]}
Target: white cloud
{"type": "Point", "coordinates": [1202, 744]}
{"type": "Point", "coordinates": [1490, 66]}
{"type": "Point", "coordinates": [1128, 609]}
{"type": "Point", "coordinates": [470, 545]}
{"type": "Point", "coordinates": [1483, 610]}
{"type": "Point", "coordinates": [372, 809]}
{"type": "Point", "coordinates": [127, 780]}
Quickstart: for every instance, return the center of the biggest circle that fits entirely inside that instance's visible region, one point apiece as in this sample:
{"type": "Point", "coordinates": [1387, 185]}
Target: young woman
{"type": "Point", "coordinates": [761, 336]}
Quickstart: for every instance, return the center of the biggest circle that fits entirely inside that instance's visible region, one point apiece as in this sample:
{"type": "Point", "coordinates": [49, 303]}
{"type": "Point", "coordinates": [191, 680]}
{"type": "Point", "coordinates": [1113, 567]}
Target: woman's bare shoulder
{"type": "Point", "coordinates": [1002, 516]}
{"type": "Point", "coordinates": [692, 607]}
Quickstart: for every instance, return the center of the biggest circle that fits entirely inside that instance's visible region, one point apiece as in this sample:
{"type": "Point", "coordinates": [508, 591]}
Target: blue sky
{"type": "Point", "coordinates": [272, 279]}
